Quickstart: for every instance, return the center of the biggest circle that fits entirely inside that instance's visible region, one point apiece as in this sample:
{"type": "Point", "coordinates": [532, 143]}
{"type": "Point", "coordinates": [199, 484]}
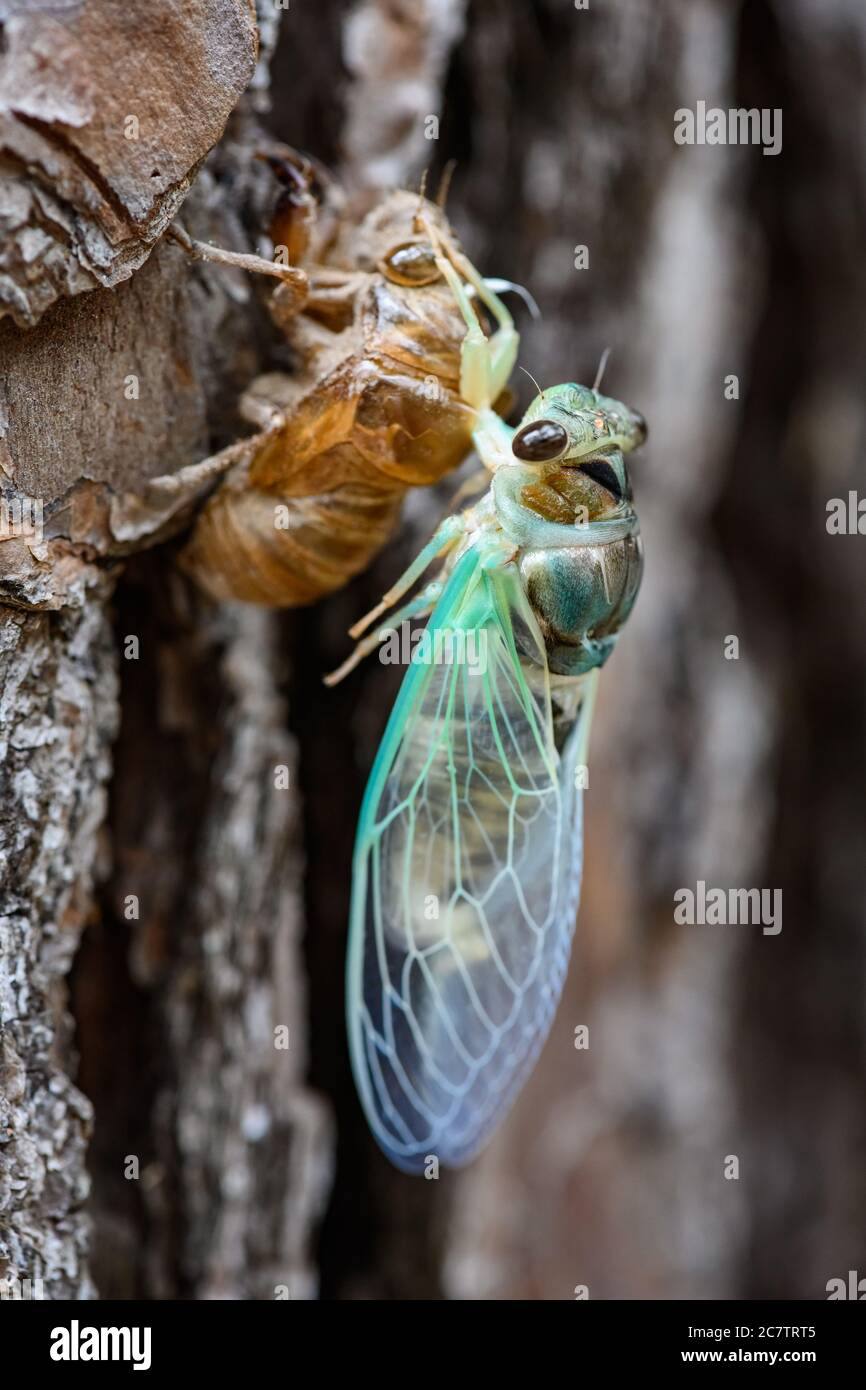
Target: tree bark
{"type": "Point", "coordinates": [109, 388]}
{"type": "Point", "coordinates": [59, 715]}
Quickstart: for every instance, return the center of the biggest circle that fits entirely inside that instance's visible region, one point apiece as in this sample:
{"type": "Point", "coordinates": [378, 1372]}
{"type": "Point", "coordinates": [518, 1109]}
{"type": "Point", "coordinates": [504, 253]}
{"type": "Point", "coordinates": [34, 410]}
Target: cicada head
{"type": "Point", "coordinates": [573, 425]}
{"type": "Point", "coordinates": [575, 442]}
{"type": "Point", "coordinates": [393, 240]}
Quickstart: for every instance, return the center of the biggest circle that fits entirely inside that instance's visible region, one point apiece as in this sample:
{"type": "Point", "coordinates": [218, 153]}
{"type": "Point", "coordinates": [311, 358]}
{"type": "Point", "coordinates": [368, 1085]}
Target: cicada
{"type": "Point", "coordinates": [375, 406]}
{"type": "Point", "coordinates": [467, 864]}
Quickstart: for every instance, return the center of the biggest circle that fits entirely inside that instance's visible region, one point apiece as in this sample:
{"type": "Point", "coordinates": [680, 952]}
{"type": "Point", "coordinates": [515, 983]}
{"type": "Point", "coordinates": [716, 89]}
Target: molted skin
{"type": "Point", "coordinates": [373, 409]}
{"type": "Point", "coordinates": [582, 596]}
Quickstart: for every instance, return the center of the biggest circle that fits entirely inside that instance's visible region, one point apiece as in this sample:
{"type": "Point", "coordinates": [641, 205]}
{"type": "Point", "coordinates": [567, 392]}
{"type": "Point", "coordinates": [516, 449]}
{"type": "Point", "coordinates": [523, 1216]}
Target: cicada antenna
{"type": "Point", "coordinates": [601, 366]}
{"type": "Point", "coordinates": [534, 382]}
{"type": "Point", "coordinates": [445, 184]}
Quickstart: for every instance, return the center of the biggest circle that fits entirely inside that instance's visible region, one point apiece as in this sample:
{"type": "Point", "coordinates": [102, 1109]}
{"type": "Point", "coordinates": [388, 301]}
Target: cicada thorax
{"type": "Point", "coordinates": [374, 410]}
{"type": "Point", "coordinates": [581, 593]}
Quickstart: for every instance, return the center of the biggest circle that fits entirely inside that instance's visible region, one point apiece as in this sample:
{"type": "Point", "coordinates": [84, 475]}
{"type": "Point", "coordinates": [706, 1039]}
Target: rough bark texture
{"type": "Point", "coordinates": [105, 114]}
{"type": "Point", "coordinates": [58, 714]}
{"type": "Point", "coordinates": [231, 1153]}
{"type": "Point", "coordinates": [222, 901]}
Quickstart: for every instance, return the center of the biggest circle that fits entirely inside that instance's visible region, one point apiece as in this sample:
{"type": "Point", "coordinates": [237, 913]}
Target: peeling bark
{"type": "Point", "coordinates": [105, 115]}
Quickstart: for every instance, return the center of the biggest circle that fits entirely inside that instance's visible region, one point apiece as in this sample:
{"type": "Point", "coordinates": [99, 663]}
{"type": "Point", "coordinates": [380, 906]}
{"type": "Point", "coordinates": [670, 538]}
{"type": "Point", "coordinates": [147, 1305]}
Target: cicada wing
{"type": "Point", "coordinates": [467, 876]}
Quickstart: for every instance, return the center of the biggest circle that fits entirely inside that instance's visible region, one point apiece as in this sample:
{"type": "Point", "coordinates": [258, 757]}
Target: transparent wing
{"type": "Point", "coordinates": [466, 884]}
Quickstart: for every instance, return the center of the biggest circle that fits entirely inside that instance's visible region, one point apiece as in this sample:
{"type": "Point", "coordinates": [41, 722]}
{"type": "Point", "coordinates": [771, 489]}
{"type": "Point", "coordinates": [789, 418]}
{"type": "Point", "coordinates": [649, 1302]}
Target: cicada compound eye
{"type": "Point", "coordinates": [541, 441]}
{"type": "Point", "coordinates": [411, 263]}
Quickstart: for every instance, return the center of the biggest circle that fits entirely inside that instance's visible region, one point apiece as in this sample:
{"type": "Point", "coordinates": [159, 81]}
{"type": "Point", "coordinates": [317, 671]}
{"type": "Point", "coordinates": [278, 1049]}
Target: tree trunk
{"type": "Point", "coordinates": [178, 788]}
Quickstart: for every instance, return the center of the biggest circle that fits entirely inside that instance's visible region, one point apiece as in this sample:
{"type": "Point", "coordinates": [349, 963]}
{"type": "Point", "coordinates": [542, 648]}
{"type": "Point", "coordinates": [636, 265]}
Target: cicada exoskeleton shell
{"type": "Point", "coordinates": [374, 409]}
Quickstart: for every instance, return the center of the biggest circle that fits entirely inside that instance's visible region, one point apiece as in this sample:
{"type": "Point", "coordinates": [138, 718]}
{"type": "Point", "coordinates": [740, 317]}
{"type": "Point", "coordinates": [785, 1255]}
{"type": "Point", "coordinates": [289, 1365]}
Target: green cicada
{"type": "Point", "coordinates": [468, 855]}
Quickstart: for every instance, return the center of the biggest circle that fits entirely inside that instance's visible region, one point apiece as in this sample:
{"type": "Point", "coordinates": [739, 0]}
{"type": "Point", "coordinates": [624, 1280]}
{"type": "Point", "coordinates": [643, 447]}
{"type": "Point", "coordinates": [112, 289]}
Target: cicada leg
{"type": "Point", "coordinates": [485, 363]}
{"type": "Point", "coordinates": [586, 713]}
{"type": "Point", "coordinates": [445, 536]}
{"type": "Point", "coordinates": [502, 347]}
{"type": "Point", "coordinates": [259, 412]}
{"type": "Point", "coordinates": [421, 606]}
{"type": "Point", "coordinates": [294, 284]}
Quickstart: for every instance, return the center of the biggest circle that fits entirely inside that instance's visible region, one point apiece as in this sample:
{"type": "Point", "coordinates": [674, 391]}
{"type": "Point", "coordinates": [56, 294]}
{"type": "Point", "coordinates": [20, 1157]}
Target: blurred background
{"type": "Point", "coordinates": [729, 285]}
